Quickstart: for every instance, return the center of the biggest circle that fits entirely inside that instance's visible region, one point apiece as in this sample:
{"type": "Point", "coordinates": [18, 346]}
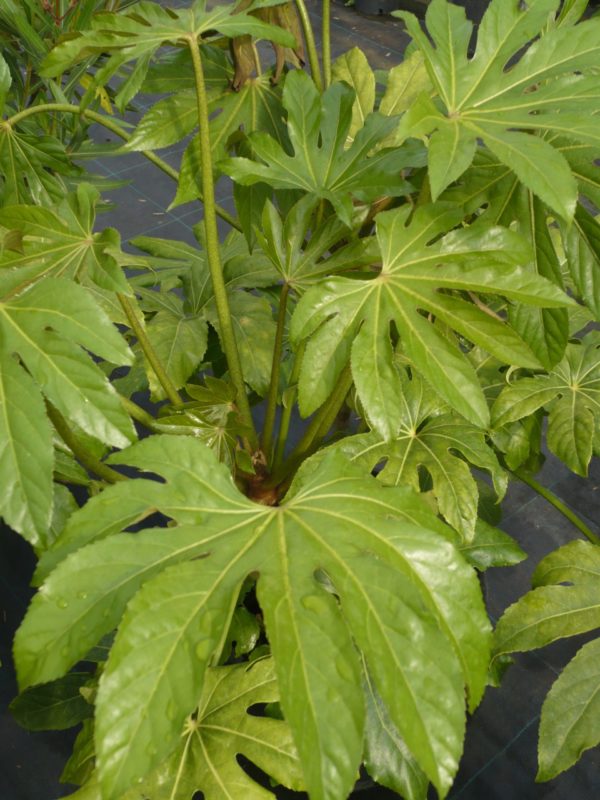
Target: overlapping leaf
{"type": "Point", "coordinates": [569, 723]}
{"type": "Point", "coordinates": [571, 394]}
{"type": "Point", "coordinates": [179, 329]}
{"type": "Point", "coordinates": [423, 268]}
{"type": "Point", "coordinates": [46, 327]}
{"type": "Point", "coordinates": [406, 599]}
{"type": "Point", "coordinates": [320, 165]}
{"type": "Point", "coordinates": [61, 242]}
{"type": "Point", "coordinates": [31, 166]}
{"type": "Point", "coordinates": [302, 260]}
{"type": "Point", "coordinates": [137, 33]}
{"type": "Point", "coordinates": [431, 438]}
{"type": "Point", "coordinates": [550, 87]}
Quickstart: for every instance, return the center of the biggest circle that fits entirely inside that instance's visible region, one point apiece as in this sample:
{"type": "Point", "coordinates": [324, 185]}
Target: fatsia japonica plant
{"type": "Point", "coordinates": [409, 279]}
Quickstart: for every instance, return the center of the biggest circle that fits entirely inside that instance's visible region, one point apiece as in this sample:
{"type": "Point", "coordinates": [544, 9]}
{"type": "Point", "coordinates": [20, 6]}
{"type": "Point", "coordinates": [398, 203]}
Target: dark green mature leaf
{"type": "Point", "coordinates": [419, 260]}
{"type": "Point", "coordinates": [582, 248]}
{"type": "Point", "coordinates": [179, 617]}
{"type": "Point", "coordinates": [53, 706]}
{"type": "Point", "coordinates": [491, 547]}
{"type": "Point", "coordinates": [47, 326]}
{"type": "Point", "coordinates": [571, 395]}
{"type": "Point", "coordinates": [387, 758]}
{"type": "Point", "coordinates": [442, 443]}
{"type": "Point", "coordinates": [480, 98]}
{"type": "Point", "coordinates": [320, 165]}
{"type": "Point", "coordinates": [570, 722]}
{"type": "Point", "coordinates": [62, 243]}
{"type": "Point", "coordinates": [137, 33]}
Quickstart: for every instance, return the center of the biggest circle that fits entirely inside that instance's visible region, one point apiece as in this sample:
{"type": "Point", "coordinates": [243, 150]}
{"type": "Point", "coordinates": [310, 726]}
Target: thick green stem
{"type": "Point", "coordinates": [286, 411]}
{"type": "Point", "coordinates": [81, 453]}
{"type": "Point", "coordinates": [227, 334]}
{"type": "Point", "coordinates": [149, 351]}
{"type": "Point", "coordinates": [309, 37]}
{"type": "Point", "coordinates": [138, 414]}
{"type": "Point", "coordinates": [93, 116]}
{"type": "Point", "coordinates": [267, 434]}
{"type": "Point", "coordinates": [558, 504]}
{"type": "Point", "coordinates": [326, 43]}
{"type": "Point", "coordinates": [318, 426]}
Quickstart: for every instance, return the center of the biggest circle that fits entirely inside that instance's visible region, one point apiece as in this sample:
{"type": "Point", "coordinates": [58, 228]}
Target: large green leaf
{"type": "Point", "coordinates": [31, 166]}
{"type": "Point", "coordinates": [419, 261]}
{"type": "Point", "coordinates": [319, 164]}
{"type": "Point", "coordinates": [571, 394]}
{"type": "Point", "coordinates": [219, 730]}
{"type": "Point", "coordinates": [550, 87]}
{"type": "Point", "coordinates": [442, 443]}
{"type": "Point", "coordinates": [256, 106]}
{"type": "Point", "coordinates": [406, 599]}
{"type": "Point", "coordinates": [47, 326]}
{"type": "Point", "coordinates": [570, 722]}
{"type": "Point", "coordinates": [137, 33]}
{"type": "Point", "coordinates": [387, 758]}
{"type": "Point", "coordinates": [552, 611]}
{"type": "Point", "coordinates": [62, 243]}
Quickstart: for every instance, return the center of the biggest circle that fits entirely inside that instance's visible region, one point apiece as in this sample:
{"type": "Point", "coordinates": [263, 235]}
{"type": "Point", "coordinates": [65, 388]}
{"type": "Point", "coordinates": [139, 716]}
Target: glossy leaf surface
{"type": "Point", "coordinates": [317, 666]}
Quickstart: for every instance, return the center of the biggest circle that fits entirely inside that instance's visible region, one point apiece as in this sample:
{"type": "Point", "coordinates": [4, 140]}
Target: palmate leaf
{"type": "Point", "coordinates": [431, 438]}
{"type": "Point", "coordinates": [47, 326]}
{"type": "Point", "coordinates": [137, 33]}
{"type": "Point", "coordinates": [320, 165]}
{"type": "Point", "coordinates": [346, 316]}
{"type": "Point", "coordinates": [179, 329]}
{"type": "Point", "coordinates": [31, 166]}
{"type": "Point", "coordinates": [550, 88]}
{"type": "Point", "coordinates": [406, 598]}
{"type": "Point", "coordinates": [302, 260]}
{"type": "Point", "coordinates": [61, 242]}
{"type": "Point", "coordinates": [571, 395]}
{"type": "Point", "coordinates": [220, 729]}
{"type": "Point", "coordinates": [570, 714]}
{"type": "Point", "coordinates": [256, 106]}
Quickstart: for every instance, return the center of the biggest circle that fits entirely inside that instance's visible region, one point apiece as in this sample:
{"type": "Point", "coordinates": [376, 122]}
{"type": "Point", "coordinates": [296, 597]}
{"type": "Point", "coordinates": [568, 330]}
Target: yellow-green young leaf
{"type": "Point", "coordinates": [180, 342]}
{"type": "Point", "coordinates": [570, 722]}
{"type": "Point", "coordinates": [442, 443]}
{"type": "Point", "coordinates": [206, 755]}
{"type": "Point", "coordinates": [546, 614]}
{"type": "Point", "coordinates": [31, 167]}
{"type": "Point", "coordinates": [451, 151]}
{"type": "Point", "coordinates": [61, 242]}
{"type": "Point", "coordinates": [353, 68]}
{"type": "Point", "coordinates": [577, 562]}
{"type": "Point", "coordinates": [570, 395]}
{"type": "Point", "coordinates": [419, 255]}
{"type": "Point", "coordinates": [406, 598]}
{"type": "Point", "coordinates": [405, 83]}
{"type": "Point", "coordinates": [318, 127]}
{"type": "Point", "coordinates": [497, 104]}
